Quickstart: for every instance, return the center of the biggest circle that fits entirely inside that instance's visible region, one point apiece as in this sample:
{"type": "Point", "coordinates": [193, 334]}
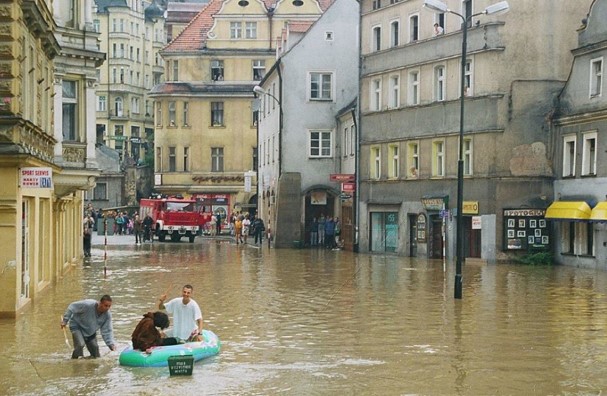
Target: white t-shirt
{"type": "Point", "coordinates": [184, 317]}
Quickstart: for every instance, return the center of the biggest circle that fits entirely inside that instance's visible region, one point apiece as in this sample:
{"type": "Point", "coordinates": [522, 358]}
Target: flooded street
{"type": "Point", "coordinates": [318, 322]}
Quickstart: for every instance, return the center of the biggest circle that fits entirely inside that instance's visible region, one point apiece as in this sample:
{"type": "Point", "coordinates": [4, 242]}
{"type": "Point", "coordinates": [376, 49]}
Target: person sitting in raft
{"type": "Point", "coordinates": [146, 334]}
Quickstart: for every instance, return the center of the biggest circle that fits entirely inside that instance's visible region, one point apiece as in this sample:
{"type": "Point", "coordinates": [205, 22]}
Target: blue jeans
{"type": "Point", "coordinates": [80, 340]}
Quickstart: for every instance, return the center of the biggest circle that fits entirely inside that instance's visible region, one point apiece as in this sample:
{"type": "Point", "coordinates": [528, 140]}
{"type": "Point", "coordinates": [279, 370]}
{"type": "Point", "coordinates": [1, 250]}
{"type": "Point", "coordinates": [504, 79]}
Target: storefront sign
{"type": "Point", "coordinates": [348, 187]}
{"type": "Point", "coordinates": [470, 207]}
{"type": "Point", "coordinates": [433, 203]}
{"type": "Point", "coordinates": [526, 229]}
{"type": "Point", "coordinates": [476, 222]}
{"type": "Point", "coordinates": [421, 228]}
{"type": "Point", "coordinates": [341, 177]}
{"type": "Point", "coordinates": [524, 212]}
{"type": "Point", "coordinates": [36, 177]}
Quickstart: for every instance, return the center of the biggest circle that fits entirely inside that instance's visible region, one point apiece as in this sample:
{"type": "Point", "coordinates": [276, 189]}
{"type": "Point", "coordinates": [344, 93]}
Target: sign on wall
{"type": "Point", "coordinates": [34, 177]}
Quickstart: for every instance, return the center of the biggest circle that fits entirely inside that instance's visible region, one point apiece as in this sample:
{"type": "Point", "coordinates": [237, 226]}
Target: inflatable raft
{"type": "Point", "coordinates": [159, 356]}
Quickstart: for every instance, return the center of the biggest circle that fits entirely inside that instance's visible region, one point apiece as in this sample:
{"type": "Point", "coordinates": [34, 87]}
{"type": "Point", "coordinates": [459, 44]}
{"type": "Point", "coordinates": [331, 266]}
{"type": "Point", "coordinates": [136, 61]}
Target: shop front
{"type": "Point", "coordinates": [526, 230]}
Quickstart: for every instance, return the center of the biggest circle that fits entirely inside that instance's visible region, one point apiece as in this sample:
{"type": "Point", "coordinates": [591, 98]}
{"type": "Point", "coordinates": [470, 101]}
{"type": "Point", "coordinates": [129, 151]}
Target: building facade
{"type": "Point", "coordinates": [206, 133]}
{"type": "Point", "coordinates": [47, 156]}
{"type": "Point", "coordinates": [579, 211]}
{"type": "Point", "coordinates": [409, 125]}
{"type": "Point", "coordinates": [131, 34]}
{"type": "Point", "coordinates": [299, 142]}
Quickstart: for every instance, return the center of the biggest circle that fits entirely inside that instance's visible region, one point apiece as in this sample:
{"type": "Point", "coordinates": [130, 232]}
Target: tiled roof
{"type": "Point", "coordinates": [299, 27]}
{"type": "Point", "coordinates": [194, 36]}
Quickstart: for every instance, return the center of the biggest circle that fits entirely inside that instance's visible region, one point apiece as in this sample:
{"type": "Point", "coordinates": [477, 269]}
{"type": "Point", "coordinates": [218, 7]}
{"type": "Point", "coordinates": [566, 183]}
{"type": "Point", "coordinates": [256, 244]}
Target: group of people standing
{"type": "Point", "coordinates": [243, 227]}
{"type": "Point", "coordinates": [325, 231]}
{"type": "Point", "coordinates": [84, 318]}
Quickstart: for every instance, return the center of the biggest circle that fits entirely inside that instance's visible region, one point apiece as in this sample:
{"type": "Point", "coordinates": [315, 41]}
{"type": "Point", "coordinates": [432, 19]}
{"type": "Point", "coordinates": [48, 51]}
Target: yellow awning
{"type": "Point", "coordinates": [567, 210]}
{"type": "Point", "coordinates": [599, 213]}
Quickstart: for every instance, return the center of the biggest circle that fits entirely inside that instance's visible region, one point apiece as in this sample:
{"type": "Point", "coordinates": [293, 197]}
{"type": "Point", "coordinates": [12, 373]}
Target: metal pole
{"type": "Point", "coordinates": [105, 246]}
{"type": "Point", "coordinates": [460, 172]}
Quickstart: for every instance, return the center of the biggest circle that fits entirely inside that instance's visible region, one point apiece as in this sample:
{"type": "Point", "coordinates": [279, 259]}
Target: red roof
{"type": "Point", "coordinates": [194, 36]}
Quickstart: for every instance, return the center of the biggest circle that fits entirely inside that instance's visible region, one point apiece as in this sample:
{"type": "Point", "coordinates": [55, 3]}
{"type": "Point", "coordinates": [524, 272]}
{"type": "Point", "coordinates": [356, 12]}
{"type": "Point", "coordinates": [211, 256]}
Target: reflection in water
{"type": "Point", "coordinates": [323, 322]}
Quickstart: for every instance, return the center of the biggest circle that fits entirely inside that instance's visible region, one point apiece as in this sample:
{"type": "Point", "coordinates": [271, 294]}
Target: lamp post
{"type": "Point", "coordinates": [438, 6]}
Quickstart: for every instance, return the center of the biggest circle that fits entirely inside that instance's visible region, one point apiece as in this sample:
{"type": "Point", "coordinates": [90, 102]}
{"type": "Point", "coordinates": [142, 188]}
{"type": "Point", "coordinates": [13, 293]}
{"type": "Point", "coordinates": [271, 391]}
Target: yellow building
{"type": "Point", "coordinates": [205, 117]}
{"type": "Point", "coordinates": [45, 163]}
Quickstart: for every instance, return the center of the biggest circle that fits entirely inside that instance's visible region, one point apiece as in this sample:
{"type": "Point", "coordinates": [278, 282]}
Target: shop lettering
{"type": "Point", "coordinates": [524, 213]}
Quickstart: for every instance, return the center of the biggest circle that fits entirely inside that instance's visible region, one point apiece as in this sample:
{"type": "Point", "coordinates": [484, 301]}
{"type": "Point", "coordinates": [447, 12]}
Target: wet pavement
{"type": "Point", "coordinates": [319, 322]}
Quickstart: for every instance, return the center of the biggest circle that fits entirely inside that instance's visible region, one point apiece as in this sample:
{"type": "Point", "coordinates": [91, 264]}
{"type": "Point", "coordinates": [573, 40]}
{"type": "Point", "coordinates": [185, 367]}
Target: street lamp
{"type": "Point", "coordinates": [438, 6]}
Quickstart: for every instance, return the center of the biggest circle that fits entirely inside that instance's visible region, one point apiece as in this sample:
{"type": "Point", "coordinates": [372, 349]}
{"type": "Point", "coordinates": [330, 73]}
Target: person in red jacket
{"type": "Point", "coordinates": [146, 335]}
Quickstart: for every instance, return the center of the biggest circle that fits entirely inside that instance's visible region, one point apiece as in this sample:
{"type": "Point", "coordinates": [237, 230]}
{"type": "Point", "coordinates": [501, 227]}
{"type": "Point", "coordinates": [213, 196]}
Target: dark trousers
{"type": "Point", "coordinates": [138, 238]}
{"type": "Point", "coordinates": [86, 241]}
{"type": "Point", "coordinates": [80, 341]}
{"type": "Point", "coordinates": [258, 235]}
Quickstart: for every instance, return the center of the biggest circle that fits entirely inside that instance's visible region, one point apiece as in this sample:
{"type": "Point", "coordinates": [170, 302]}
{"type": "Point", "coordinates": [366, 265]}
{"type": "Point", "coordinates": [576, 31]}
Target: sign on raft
{"type": "Point", "coordinates": [181, 365]}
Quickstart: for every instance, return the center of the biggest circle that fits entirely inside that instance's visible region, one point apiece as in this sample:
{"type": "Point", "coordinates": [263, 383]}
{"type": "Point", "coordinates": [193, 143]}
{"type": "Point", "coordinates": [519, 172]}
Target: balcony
{"type": "Point", "coordinates": [484, 37]}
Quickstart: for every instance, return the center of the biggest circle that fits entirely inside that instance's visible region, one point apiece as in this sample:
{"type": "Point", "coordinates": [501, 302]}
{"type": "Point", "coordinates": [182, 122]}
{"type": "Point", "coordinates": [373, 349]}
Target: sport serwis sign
{"type": "Point", "coordinates": [36, 177]}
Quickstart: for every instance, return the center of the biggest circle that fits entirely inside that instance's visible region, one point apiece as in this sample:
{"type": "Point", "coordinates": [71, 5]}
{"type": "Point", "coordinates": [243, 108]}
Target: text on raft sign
{"type": "Point", "coordinates": [36, 177]}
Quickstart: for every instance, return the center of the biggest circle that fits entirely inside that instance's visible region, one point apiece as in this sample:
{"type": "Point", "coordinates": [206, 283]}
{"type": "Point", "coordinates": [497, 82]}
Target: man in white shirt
{"type": "Point", "coordinates": [187, 317]}
{"type": "Point", "coordinates": [438, 30]}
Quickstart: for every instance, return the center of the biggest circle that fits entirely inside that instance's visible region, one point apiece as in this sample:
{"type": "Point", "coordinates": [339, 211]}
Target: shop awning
{"type": "Point", "coordinates": [599, 213]}
{"type": "Point", "coordinates": [568, 210]}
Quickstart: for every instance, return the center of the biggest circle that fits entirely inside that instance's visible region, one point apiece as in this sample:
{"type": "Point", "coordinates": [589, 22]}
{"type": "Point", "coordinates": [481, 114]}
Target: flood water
{"type": "Point", "coordinates": [318, 322]}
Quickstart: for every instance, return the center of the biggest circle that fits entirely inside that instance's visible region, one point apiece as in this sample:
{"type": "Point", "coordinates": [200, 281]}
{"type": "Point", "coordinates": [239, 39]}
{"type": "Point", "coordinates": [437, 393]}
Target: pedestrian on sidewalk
{"type": "Point", "coordinates": [138, 229]}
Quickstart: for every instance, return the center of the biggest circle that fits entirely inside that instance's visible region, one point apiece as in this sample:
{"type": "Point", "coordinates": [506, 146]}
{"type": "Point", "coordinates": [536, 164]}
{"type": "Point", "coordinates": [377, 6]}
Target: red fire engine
{"type": "Point", "coordinates": [175, 217]}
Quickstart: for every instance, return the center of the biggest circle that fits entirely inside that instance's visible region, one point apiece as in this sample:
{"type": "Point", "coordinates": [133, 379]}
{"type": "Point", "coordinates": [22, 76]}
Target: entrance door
{"type": "Point", "coordinates": [347, 227]}
{"type": "Point", "coordinates": [436, 248]}
{"type": "Point", "coordinates": [384, 231]}
{"type": "Point", "coordinates": [315, 209]}
{"type": "Point", "coordinates": [25, 251]}
{"type": "Point", "coordinates": [472, 239]}
{"type": "Point", "coordinates": [412, 235]}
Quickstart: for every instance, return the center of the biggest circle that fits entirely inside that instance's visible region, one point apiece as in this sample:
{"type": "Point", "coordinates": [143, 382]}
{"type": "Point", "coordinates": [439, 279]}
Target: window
{"type": "Point", "coordinates": [375, 163]}
{"type": "Point", "coordinates": [467, 11]}
{"type": "Point", "coordinates": [186, 115]}
{"type": "Point", "coordinates": [100, 192]}
{"type": "Point", "coordinates": [217, 70]}
{"type": "Point", "coordinates": [259, 69]}
{"type": "Point", "coordinates": [186, 159]}
{"type": "Point", "coordinates": [175, 70]}
{"type": "Point", "coordinates": [345, 144]}
{"type": "Point", "coordinates": [96, 25]}
{"type": "Point", "coordinates": [439, 83]}
{"type": "Point", "coordinates": [394, 33]}
{"type": "Point", "coordinates": [216, 159]}
{"type": "Point", "coordinates": [438, 153]}
{"type": "Point", "coordinates": [70, 110]}
{"type": "Point", "coordinates": [414, 87]}
{"type": "Point", "coordinates": [172, 160]}
{"type": "Point", "coordinates": [251, 30]}
{"type": "Point", "coordinates": [321, 86]}
{"type": "Point", "coordinates": [216, 113]}
{"type": "Point", "coordinates": [158, 159]}
{"type": "Point", "coordinates": [376, 45]}
{"type": "Point", "coordinates": [589, 154]}
{"type": "Point", "coordinates": [413, 28]}
{"type": "Point", "coordinates": [352, 140]}
{"type": "Point", "coordinates": [172, 113]}
{"type": "Point", "coordinates": [569, 156]}
{"type": "Point", "coordinates": [376, 4]}
{"type": "Point", "coordinates": [320, 144]}
{"type": "Point", "coordinates": [159, 113]}
{"type": "Point", "coordinates": [468, 78]}
{"type": "Point", "coordinates": [235, 30]}
{"type": "Point", "coordinates": [119, 134]}
{"type": "Point", "coordinates": [329, 36]}
{"type": "Point", "coordinates": [72, 15]}
{"type": "Point", "coordinates": [394, 92]}
{"type": "Point", "coordinates": [413, 155]}
{"type": "Point", "coordinates": [394, 164]}
{"type": "Point", "coordinates": [596, 77]}
{"type": "Point", "coordinates": [254, 113]}
{"type": "Point", "coordinates": [135, 105]}
{"type": "Point", "coordinates": [467, 156]}
{"type": "Point", "coordinates": [255, 159]}
{"type": "Point", "coordinates": [376, 95]}
{"type": "Point", "coordinates": [115, 50]}
{"type": "Point", "coordinates": [577, 238]}
{"type": "Point", "coordinates": [101, 103]}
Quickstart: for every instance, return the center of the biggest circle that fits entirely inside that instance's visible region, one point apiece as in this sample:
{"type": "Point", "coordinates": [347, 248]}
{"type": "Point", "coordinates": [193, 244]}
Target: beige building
{"type": "Point", "coordinates": [206, 136]}
{"type": "Point", "coordinates": [131, 34]}
{"type": "Point", "coordinates": [516, 65]}
{"type": "Point", "coordinates": [47, 157]}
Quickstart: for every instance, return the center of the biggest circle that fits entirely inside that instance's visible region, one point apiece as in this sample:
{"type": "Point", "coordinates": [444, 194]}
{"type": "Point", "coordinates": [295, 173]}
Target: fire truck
{"type": "Point", "coordinates": [174, 217]}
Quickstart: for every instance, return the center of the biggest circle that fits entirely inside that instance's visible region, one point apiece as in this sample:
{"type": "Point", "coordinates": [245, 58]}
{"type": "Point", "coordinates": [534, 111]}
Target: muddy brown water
{"type": "Point", "coordinates": [318, 322]}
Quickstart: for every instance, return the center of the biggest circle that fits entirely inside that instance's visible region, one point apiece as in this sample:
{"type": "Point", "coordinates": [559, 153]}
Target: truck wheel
{"type": "Point", "coordinates": [191, 238]}
{"type": "Point", "coordinates": [161, 237]}
{"type": "Point", "coordinates": [175, 237]}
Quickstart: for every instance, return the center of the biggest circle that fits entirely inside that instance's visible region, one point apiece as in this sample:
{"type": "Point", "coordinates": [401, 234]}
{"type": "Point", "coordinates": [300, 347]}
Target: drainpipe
{"type": "Point", "coordinates": [280, 121]}
{"type": "Point", "coordinates": [270, 15]}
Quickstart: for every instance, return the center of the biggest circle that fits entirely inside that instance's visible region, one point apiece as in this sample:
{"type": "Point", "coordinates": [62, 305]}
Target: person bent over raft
{"type": "Point", "coordinates": [146, 335]}
{"type": "Point", "coordinates": [85, 317]}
